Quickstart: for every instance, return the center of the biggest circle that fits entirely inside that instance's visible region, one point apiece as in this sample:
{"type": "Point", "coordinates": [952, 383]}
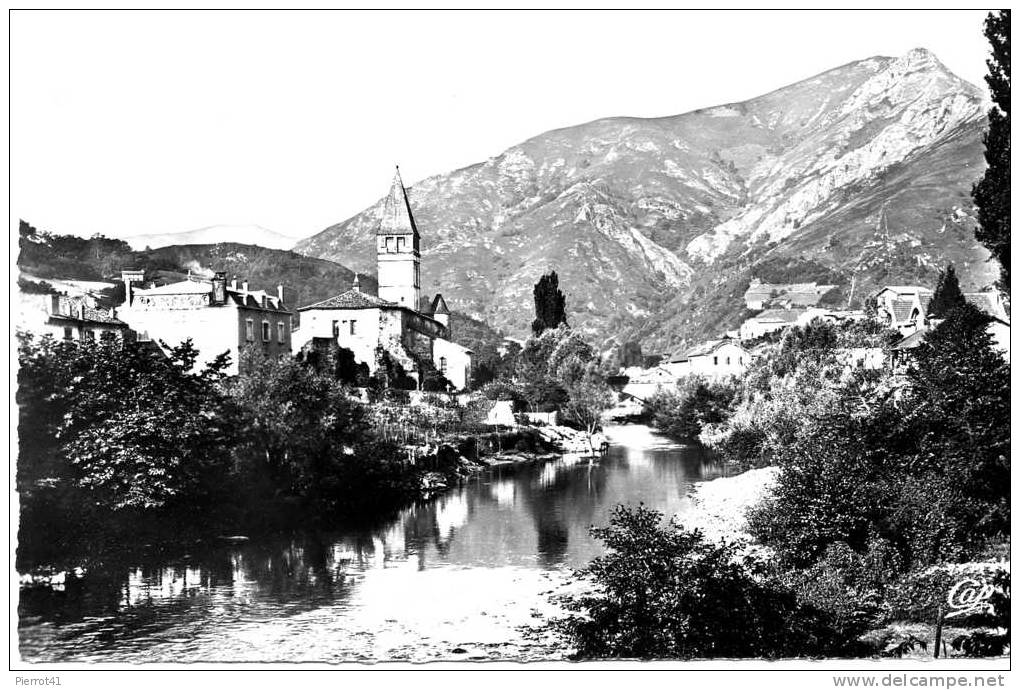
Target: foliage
{"type": "Point", "coordinates": [630, 354]}
{"type": "Point", "coordinates": [947, 296]}
{"type": "Point", "coordinates": [664, 592]}
{"type": "Point", "coordinates": [389, 373]}
{"type": "Point", "coordinates": [33, 287]}
{"type": "Point", "coordinates": [550, 304]}
{"type": "Point", "coordinates": [683, 414]}
{"type": "Point", "coordinates": [927, 472]}
{"type": "Point", "coordinates": [549, 364]}
{"type": "Point", "coordinates": [589, 396]}
{"type": "Point", "coordinates": [992, 193]}
{"type": "Point", "coordinates": [100, 411]}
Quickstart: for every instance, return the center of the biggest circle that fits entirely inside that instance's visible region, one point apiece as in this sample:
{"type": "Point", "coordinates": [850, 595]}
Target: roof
{"type": "Point", "coordinates": [911, 341]}
{"type": "Point", "coordinates": [902, 309]}
{"type": "Point", "coordinates": [778, 316]}
{"type": "Point", "coordinates": [397, 218]}
{"type": "Point", "coordinates": [905, 290]}
{"type": "Point", "coordinates": [988, 302]}
{"type": "Point", "coordinates": [92, 316]}
{"type": "Point", "coordinates": [352, 299]}
{"type": "Point", "coordinates": [705, 348]}
{"type": "Point", "coordinates": [183, 287]}
{"type": "Point", "coordinates": [438, 305]}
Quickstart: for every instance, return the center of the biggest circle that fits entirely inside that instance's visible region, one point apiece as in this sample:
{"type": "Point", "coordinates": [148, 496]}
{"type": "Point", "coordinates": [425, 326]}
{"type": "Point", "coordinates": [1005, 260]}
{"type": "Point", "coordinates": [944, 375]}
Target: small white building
{"type": "Point", "coordinates": [644, 383]}
{"type": "Point", "coordinates": [715, 360]}
{"type": "Point", "coordinates": [68, 318]}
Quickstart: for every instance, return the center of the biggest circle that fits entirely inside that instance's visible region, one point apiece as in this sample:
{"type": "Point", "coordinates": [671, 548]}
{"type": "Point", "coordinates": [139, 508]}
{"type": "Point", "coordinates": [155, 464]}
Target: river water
{"type": "Point", "coordinates": [470, 575]}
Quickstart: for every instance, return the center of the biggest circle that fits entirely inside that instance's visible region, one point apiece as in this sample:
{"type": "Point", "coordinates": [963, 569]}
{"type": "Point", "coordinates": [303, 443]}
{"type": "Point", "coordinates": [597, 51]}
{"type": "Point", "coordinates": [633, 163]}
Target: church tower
{"type": "Point", "coordinates": [398, 249]}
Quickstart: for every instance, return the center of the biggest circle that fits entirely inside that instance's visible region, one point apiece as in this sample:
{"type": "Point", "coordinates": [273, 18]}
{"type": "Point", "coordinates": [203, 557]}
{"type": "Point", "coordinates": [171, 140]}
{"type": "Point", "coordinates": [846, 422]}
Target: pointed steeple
{"type": "Point", "coordinates": [397, 218]}
{"type": "Point", "coordinates": [357, 284]}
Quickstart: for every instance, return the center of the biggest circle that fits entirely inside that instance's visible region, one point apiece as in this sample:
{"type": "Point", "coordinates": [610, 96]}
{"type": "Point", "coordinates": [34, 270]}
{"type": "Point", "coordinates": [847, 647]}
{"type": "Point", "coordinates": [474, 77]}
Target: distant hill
{"type": "Point", "coordinates": [215, 234]}
{"type": "Point", "coordinates": [656, 226]}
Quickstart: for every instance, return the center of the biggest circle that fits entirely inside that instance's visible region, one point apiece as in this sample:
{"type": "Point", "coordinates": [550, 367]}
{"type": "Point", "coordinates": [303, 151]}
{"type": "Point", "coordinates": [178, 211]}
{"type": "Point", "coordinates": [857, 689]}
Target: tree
{"type": "Point", "coordinates": [662, 591]}
{"type": "Point", "coordinates": [142, 430]}
{"type": "Point", "coordinates": [550, 304]}
{"type": "Point", "coordinates": [630, 354]}
{"type": "Point", "coordinates": [590, 396]}
{"type": "Point", "coordinates": [292, 423]}
{"type": "Point", "coordinates": [991, 194]}
{"type": "Point", "coordinates": [948, 295]}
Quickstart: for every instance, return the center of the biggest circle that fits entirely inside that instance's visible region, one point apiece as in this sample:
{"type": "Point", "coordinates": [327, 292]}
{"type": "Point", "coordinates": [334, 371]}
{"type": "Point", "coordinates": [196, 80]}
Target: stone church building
{"type": "Point", "coordinates": [396, 320]}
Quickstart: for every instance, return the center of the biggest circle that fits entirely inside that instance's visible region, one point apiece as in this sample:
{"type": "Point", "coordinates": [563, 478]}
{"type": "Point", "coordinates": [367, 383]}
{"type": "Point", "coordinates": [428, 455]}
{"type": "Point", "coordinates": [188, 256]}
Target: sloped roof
{"type": "Point", "coordinates": [778, 316]}
{"type": "Point", "coordinates": [183, 287]}
{"type": "Point", "coordinates": [352, 299]}
{"type": "Point", "coordinates": [987, 302]}
{"type": "Point", "coordinates": [906, 290]}
{"type": "Point", "coordinates": [397, 218]}
{"type": "Point", "coordinates": [705, 348]}
{"type": "Point", "coordinates": [902, 308]}
{"type": "Point", "coordinates": [911, 341]}
{"type": "Point", "coordinates": [438, 305]}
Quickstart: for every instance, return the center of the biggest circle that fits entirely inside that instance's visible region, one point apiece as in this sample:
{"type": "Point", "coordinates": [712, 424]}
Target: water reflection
{"type": "Point", "coordinates": [478, 551]}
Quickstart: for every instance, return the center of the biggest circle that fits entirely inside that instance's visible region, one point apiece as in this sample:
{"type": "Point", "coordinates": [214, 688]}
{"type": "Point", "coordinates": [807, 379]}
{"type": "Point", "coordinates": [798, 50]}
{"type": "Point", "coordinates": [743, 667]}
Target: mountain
{"type": "Point", "coordinates": [655, 226]}
{"type": "Point", "coordinates": [215, 234]}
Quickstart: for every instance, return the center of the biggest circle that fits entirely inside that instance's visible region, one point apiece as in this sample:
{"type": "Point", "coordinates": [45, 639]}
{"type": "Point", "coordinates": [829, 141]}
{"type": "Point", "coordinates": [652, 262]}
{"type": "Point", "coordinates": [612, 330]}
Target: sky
{"type": "Point", "coordinates": [127, 123]}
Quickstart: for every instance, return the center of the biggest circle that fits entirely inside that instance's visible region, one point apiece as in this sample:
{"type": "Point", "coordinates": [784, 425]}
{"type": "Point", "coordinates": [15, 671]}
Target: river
{"type": "Point", "coordinates": [466, 576]}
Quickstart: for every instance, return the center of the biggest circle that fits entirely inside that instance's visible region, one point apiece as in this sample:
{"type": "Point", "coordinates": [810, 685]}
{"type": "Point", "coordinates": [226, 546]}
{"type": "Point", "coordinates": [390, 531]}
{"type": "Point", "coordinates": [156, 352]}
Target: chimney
{"type": "Point", "coordinates": [244, 286]}
{"type": "Point", "coordinates": [233, 284]}
{"type": "Point", "coordinates": [219, 288]}
{"type": "Point", "coordinates": [281, 293]}
{"type": "Point", "coordinates": [130, 276]}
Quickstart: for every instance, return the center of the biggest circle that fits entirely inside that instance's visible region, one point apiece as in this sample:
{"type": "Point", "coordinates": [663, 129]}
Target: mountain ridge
{"type": "Point", "coordinates": [640, 215]}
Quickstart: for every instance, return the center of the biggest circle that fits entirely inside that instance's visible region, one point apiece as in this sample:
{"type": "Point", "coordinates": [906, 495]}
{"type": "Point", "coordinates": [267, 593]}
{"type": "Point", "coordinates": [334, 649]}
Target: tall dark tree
{"type": "Point", "coordinates": [991, 194]}
{"type": "Point", "coordinates": [948, 295]}
{"type": "Point", "coordinates": [550, 304]}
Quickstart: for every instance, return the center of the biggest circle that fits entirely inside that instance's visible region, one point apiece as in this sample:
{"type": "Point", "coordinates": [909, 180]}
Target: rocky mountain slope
{"type": "Point", "coordinates": [655, 226]}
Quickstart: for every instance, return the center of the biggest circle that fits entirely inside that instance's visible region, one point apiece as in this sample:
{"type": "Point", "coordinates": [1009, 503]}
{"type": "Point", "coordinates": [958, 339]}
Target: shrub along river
{"type": "Point", "coordinates": [467, 575]}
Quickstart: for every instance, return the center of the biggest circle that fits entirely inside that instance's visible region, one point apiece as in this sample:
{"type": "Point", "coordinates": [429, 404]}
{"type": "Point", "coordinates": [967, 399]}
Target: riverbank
{"type": "Point", "coordinates": [719, 507]}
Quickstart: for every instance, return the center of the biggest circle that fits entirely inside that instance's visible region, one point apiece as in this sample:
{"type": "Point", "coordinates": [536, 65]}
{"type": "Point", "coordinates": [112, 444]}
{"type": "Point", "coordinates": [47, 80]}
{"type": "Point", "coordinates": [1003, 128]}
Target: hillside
{"type": "Point", "coordinates": [655, 226]}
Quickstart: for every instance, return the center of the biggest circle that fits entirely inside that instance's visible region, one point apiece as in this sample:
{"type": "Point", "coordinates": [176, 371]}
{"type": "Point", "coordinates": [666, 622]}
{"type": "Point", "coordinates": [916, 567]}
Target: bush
{"type": "Point", "coordinates": [682, 415]}
{"type": "Point", "coordinates": [664, 592]}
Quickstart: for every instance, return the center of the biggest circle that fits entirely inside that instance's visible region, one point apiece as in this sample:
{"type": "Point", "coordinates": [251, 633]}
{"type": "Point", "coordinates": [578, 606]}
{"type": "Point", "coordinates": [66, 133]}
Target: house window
{"type": "Point", "coordinates": [727, 361]}
{"type": "Point", "coordinates": [265, 331]}
{"type": "Point", "coordinates": [389, 245]}
{"type": "Point", "coordinates": [249, 331]}
{"type": "Point", "coordinates": [442, 365]}
{"type": "Point", "coordinates": [88, 335]}
{"type": "Point", "coordinates": [68, 333]}
{"type": "Point", "coordinates": [401, 241]}
{"type": "Point", "coordinates": [715, 361]}
{"type": "Point", "coordinates": [353, 329]}
{"type": "Point", "coordinates": [107, 336]}
{"type": "Point", "coordinates": [142, 337]}
{"type": "Point", "coordinates": [280, 331]}
{"type": "Point", "coordinates": [336, 329]}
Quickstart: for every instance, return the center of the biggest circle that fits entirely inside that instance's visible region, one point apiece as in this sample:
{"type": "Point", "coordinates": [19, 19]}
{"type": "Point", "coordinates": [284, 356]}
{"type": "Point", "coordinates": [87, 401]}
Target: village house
{"type": "Point", "coordinates": [217, 317]}
{"type": "Point", "coordinates": [903, 307]}
{"type": "Point", "coordinates": [761, 295]}
{"type": "Point", "coordinates": [396, 320]}
{"type": "Point", "coordinates": [715, 360]}
{"type": "Point", "coordinates": [69, 318]}
{"type": "Point", "coordinates": [644, 383]}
